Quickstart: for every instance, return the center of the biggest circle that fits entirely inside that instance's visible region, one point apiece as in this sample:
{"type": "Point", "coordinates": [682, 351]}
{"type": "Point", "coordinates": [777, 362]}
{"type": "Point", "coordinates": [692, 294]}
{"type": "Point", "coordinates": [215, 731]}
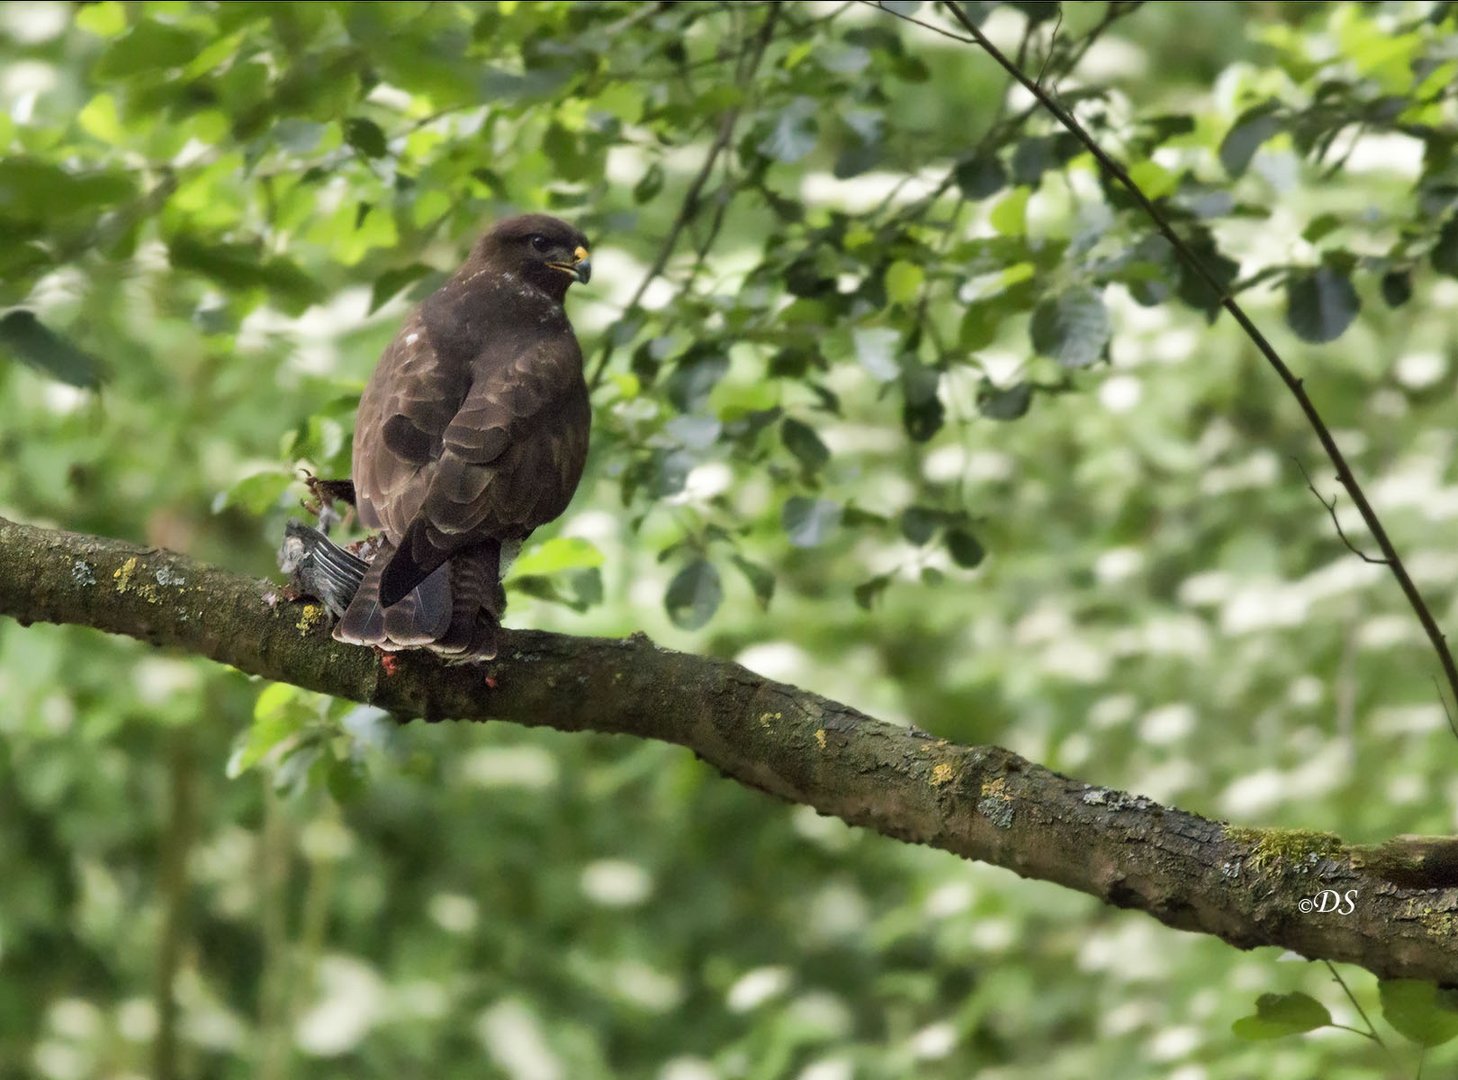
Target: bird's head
{"type": "Point", "coordinates": [543, 250]}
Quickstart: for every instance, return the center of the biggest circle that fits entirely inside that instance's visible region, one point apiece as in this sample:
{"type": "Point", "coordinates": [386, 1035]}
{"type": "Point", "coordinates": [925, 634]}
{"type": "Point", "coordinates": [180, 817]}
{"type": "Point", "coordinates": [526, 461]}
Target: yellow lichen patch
{"type": "Point", "coordinates": [1439, 922]}
{"type": "Point", "coordinates": [1293, 849]}
{"type": "Point", "coordinates": [820, 737]}
{"type": "Point", "coordinates": [996, 805]}
{"type": "Point", "coordinates": [309, 618]}
{"type": "Point", "coordinates": [766, 719]}
{"type": "Point", "coordinates": [123, 575]}
{"type": "Point", "coordinates": [943, 774]}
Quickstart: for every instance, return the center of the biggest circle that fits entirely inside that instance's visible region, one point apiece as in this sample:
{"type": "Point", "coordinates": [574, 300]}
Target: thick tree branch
{"type": "Point", "coordinates": [1243, 885]}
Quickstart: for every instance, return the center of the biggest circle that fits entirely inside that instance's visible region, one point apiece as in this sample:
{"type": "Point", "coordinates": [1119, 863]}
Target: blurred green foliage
{"type": "Point", "coordinates": [919, 414]}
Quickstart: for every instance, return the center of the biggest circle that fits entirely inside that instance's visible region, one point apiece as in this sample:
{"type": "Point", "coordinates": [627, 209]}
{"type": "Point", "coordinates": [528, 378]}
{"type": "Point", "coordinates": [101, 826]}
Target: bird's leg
{"type": "Point", "coordinates": [323, 494]}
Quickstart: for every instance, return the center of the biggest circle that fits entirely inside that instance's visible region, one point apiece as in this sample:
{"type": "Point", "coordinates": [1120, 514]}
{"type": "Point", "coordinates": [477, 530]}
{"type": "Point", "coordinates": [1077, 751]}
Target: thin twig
{"type": "Point", "coordinates": [1371, 1031]}
{"type": "Point", "coordinates": [1330, 505]}
{"type": "Point", "coordinates": [690, 205]}
{"type": "Point", "coordinates": [1294, 384]}
{"type": "Point", "coordinates": [1447, 713]}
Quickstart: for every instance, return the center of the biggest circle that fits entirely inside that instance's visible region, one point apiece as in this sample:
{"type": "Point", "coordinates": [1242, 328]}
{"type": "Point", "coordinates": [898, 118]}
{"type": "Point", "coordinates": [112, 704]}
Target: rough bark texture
{"type": "Point", "coordinates": [981, 802]}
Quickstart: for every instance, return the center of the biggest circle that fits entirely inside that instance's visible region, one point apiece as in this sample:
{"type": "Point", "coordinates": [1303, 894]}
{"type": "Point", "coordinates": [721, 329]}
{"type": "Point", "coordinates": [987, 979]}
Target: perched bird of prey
{"type": "Point", "coordinates": [472, 432]}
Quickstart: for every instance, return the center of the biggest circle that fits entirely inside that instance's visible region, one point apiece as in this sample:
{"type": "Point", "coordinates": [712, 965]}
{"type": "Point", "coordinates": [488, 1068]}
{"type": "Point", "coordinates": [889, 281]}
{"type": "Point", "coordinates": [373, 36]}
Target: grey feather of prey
{"type": "Point", "coordinates": [319, 568]}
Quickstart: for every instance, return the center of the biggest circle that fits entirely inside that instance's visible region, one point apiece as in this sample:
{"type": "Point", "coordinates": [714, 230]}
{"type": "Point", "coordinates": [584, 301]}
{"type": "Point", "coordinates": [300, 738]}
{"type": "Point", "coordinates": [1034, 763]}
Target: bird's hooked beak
{"type": "Point", "coordinates": [580, 267]}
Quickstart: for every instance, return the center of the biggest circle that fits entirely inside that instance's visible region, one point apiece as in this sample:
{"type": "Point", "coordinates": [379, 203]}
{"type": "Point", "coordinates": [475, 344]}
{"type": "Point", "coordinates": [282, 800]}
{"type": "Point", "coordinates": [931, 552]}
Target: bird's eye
{"type": "Point", "coordinates": [541, 243]}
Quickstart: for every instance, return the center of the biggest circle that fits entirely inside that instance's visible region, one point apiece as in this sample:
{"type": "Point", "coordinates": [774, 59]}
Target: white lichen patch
{"type": "Point", "coordinates": [82, 572]}
{"type": "Point", "coordinates": [165, 575]}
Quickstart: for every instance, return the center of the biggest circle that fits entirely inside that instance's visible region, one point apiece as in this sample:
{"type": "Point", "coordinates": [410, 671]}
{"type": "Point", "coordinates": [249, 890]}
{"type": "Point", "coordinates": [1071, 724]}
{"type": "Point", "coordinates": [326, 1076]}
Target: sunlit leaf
{"type": "Point", "coordinates": [1010, 216]}
{"type": "Point", "coordinates": [1421, 1011]}
{"type": "Point", "coordinates": [1072, 327]}
{"type": "Point", "coordinates": [876, 348]}
{"type": "Point", "coordinates": [1278, 1015]}
{"type": "Point", "coordinates": [559, 554]}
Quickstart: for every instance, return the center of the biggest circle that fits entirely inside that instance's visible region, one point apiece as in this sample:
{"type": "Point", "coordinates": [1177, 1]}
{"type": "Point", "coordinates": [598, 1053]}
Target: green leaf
{"type": "Point", "coordinates": [1003, 404]}
{"type": "Point", "coordinates": [392, 281]}
{"type": "Point", "coordinates": [1038, 11]}
{"type": "Point", "coordinates": [1153, 179]}
{"type": "Point", "coordinates": [1194, 290]}
{"type": "Point", "coordinates": [979, 325]}
{"type": "Point", "coordinates": [761, 579]}
{"type": "Point", "coordinates": [694, 595]}
{"type": "Point", "coordinates": [903, 282]}
{"type": "Point", "coordinates": [876, 348]}
{"type": "Point", "coordinates": [1420, 1010]}
{"type": "Point", "coordinates": [365, 136]}
{"type": "Point", "coordinates": [809, 521]}
{"type": "Point", "coordinates": [39, 191]}
{"type": "Point", "coordinates": [1278, 1015]}
{"type": "Point", "coordinates": [980, 176]}
{"type": "Point", "coordinates": [1320, 305]}
{"type": "Point", "coordinates": [868, 592]}
{"type": "Point", "coordinates": [257, 494]}
{"type": "Point", "coordinates": [1031, 158]}
{"type": "Point", "coordinates": [964, 548]}
{"type": "Point", "coordinates": [1242, 141]}
{"type": "Point", "coordinates": [1445, 251]}
{"type": "Point", "coordinates": [1010, 216]}
{"type": "Point", "coordinates": [800, 439]}
{"type": "Point", "coordinates": [1072, 327]}
{"type": "Point", "coordinates": [1397, 287]}
{"type": "Point", "coordinates": [695, 376]}
{"type": "Point", "coordinates": [346, 779]}
{"type": "Point", "coordinates": [920, 523]}
{"type": "Point", "coordinates": [147, 48]}
{"type": "Point", "coordinates": [794, 133]}
{"type": "Point", "coordinates": [102, 120]}
{"type": "Point", "coordinates": [1320, 227]}
{"type": "Point", "coordinates": [242, 267]}
{"type": "Point", "coordinates": [923, 412]}
{"type": "Point", "coordinates": [280, 712]}
{"type": "Point", "coordinates": [106, 19]}
{"type": "Point", "coordinates": [650, 185]}
{"type": "Point", "coordinates": [28, 339]}
{"type": "Point", "coordinates": [558, 555]}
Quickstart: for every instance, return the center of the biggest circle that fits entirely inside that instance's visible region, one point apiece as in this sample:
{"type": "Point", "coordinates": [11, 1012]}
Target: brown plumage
{"type": "Point", "coordinates": [471, 433]}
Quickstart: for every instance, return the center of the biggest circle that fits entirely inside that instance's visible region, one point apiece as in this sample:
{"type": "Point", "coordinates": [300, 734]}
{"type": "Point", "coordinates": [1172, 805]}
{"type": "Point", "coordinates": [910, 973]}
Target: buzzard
{"type": "Point", "coordinates": [472, 432]}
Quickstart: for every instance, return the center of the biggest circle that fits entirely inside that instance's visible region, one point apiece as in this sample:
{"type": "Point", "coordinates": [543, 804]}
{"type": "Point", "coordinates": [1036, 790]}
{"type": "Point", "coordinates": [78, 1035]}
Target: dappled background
{"type": "Point", "coordinates": [894, 400]}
